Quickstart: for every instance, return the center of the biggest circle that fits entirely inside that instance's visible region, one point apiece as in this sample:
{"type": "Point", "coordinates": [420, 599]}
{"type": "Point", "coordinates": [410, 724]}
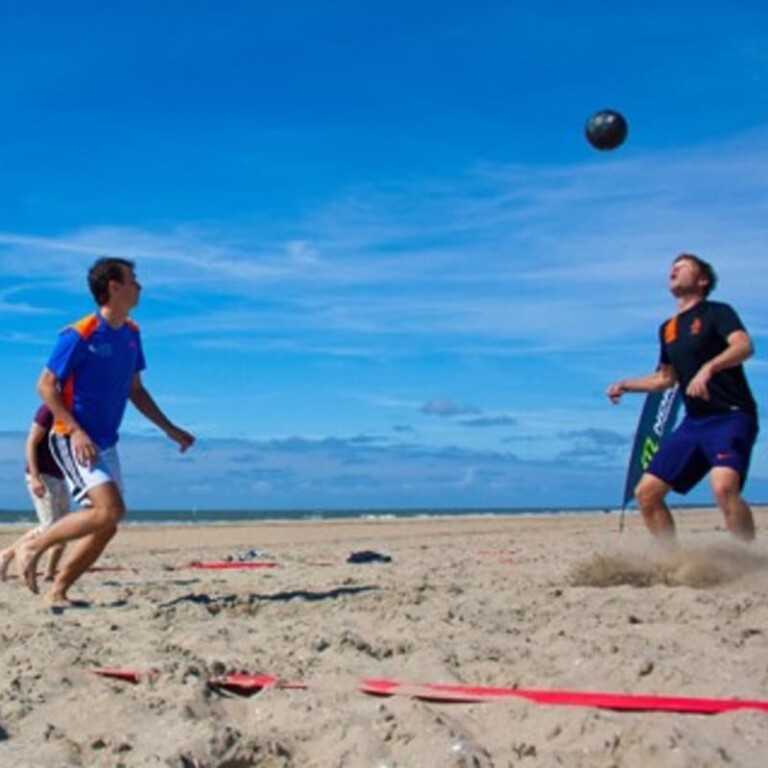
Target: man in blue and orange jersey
{"type": "Point", "coordinates": [702, 347]}
{"type": "Point", "coordinates": [94, 369]}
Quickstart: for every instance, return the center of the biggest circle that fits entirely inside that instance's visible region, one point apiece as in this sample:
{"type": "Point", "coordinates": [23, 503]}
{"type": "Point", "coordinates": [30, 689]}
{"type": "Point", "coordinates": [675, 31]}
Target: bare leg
{"type": "Point", "coordinates": [650, 493]}
{"type": "Point", "coordinates": [6, 558]}
{"type": "Point", "coordinates": [54, 555]}
{"type": "Point", "coordinates": [82, 556]}
{"type": "Point", "coordinates": [8, 555]}
{"type": "Point", "coordinates": [726, 487]}
{"type": "Point", "coordinates": [101, 518]}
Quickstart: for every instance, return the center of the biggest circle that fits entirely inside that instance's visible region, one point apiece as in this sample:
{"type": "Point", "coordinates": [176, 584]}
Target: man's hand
{"type": "Point", "coordinates": [699, 384]}
{"type": "Point", "coordinates": [84, 448]}
{"type": "Point", "coordinates": [37, 486]}
{"type": "Point", "coordinates": [615, 391]}
{"type": "Point", "coordinates": [180, 436]}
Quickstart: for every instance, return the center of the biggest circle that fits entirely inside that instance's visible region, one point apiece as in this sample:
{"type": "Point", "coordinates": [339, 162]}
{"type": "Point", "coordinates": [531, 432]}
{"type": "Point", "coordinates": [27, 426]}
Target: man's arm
{"type": "Point", "coordinates": [663, 378]}
{"type": "Point", "coordinates": [146, 405]}
{"type": "Point", "coordinates": [34, 438]}
{"type": "Point", "coordinates": [739, 349]}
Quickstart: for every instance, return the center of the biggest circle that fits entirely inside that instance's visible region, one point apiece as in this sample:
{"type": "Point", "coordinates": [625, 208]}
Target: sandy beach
{"type": "Point", "coordinates": [554, 603]}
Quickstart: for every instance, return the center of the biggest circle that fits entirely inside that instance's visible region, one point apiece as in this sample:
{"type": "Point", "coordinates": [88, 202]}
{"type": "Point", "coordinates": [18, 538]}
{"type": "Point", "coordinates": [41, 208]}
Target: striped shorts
{"type": "Point", "coordinates": [81, 478]}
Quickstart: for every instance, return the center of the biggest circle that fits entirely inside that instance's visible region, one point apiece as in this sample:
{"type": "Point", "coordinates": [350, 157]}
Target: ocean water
{"type": "Point", "coordinates": [21, 518]}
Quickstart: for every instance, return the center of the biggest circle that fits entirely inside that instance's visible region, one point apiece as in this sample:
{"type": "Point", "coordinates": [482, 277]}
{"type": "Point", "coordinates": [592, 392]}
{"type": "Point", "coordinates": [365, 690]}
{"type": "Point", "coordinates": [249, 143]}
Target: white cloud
{"type": "Point", "coordinates": [569, 255]}
{"type": "Point", "coordinates": [441, 406]}
{"type": "Point", "coordinates": [357, 472]}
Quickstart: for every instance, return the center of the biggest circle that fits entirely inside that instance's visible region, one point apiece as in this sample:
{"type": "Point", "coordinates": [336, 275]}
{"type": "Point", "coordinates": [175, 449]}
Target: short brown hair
{"type": "Point", "coordinates": [705, 268]}
{"type": "Point", "coordinates": [103, 270]}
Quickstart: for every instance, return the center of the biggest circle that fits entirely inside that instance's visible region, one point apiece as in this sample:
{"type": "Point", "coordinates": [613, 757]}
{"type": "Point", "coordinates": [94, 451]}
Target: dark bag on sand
{"type": "Point", "coordinates": [368, 556]}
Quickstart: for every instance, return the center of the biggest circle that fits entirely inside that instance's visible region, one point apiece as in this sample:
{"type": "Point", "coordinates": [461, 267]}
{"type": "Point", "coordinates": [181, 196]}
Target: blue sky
{"type": "Point", "coordinates": [382, 266]}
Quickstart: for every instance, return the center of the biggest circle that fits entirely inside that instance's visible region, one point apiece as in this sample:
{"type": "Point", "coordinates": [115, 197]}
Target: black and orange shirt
{"type": "Point", "coordinates": [94, 365]}
{"type": "Point", "coordinates": [694, 337]}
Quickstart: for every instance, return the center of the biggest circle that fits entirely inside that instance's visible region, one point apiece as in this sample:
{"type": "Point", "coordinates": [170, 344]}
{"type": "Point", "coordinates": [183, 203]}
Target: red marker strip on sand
{"type": "Point", "coordinates": [241, 683]}
{"type": "Point", "coordinates": [250, 684]}
{"type": "Point", "coordinates": [127, 675]}
{"type": "Point", "coordinates": [247, 685]}
{"type": "Point", "coordinates": [615, 701]}
{"type": "Point", "coordinates": [230, 565]}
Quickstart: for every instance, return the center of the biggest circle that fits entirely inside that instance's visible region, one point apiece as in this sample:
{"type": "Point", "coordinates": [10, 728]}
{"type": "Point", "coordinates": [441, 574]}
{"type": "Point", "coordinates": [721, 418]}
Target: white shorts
{"type": "Point", "coordinates": [81, 479]}
{"type": "Point", "coordinates": [55, 503]}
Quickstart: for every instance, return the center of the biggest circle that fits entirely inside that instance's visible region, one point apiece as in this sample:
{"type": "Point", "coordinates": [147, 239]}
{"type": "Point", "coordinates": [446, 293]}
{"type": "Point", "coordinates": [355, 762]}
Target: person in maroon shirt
{"type": "Point", "coordinates": [47, 489]}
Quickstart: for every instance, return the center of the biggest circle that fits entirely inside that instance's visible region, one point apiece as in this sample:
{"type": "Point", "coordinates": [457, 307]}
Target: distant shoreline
{"type": "Point", "coordinates": [15, 519]}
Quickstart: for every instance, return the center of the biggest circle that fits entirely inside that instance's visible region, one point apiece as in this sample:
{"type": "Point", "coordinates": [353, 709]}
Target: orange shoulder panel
{"type": "Point", "coordinates": [132, 325]}
{"type": "Point", "coordinates": [86, 325]}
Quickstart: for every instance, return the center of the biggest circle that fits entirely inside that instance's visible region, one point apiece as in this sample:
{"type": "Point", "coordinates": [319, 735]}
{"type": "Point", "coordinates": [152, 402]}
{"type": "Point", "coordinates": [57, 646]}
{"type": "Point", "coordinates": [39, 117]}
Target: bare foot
{"type": "Point", "coordinates": [6, 558]}
{"type": "Point", "coordinates": [57, 599]}
{"type": "Point", "coordinates": [27, 565]}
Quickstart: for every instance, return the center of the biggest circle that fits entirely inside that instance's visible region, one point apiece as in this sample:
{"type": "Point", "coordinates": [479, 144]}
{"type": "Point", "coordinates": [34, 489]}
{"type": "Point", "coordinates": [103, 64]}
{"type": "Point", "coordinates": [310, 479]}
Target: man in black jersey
{"type": "Point", "coordinates": [702, 347]}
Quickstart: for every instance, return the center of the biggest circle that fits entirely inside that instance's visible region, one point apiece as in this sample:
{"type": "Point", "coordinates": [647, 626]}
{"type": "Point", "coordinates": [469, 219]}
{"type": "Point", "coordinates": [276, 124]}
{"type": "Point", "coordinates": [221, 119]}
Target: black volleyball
{"type": "Point", "coordinates": [606, 129]}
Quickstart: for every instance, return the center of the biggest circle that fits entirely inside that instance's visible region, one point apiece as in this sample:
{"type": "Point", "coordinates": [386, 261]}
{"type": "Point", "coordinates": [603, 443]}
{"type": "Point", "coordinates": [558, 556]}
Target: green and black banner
{"type": "Point", "coordinates": [656, 421]}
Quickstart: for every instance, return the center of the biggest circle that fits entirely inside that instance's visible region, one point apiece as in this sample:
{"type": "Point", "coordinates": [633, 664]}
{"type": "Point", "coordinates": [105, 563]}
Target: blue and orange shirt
{"type": "Point", "coordinates": [94, 365]}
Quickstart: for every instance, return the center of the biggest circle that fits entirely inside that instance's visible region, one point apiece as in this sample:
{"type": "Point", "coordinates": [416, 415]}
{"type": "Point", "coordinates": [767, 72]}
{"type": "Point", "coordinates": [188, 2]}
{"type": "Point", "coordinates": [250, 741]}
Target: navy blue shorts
{"type": "Point", "coordinates": [703, 442]}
